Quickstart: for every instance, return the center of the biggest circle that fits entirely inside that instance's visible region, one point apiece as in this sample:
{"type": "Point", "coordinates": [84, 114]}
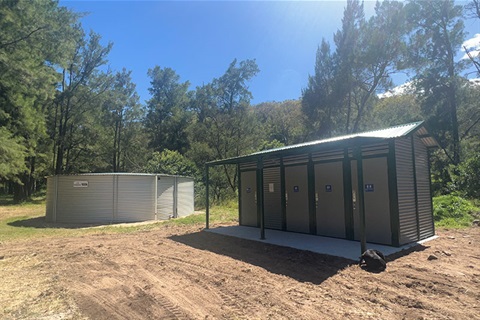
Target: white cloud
{"type": "Point", "coordinates": [402, 89]}
{"type": "Point", "coordinates": [472, 45]}
{"type": "Point", "coordinates": [407, 88]}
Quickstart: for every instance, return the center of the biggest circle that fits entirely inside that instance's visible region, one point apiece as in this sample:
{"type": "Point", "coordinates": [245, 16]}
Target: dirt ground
{"type": "Point", "coordinates": [180, 272]}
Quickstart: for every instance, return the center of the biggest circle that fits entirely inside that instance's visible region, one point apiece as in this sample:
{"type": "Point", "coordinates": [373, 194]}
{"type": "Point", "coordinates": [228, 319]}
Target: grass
{"type": "Point", "coordinates": [27, 221]}
{"type": "Point", "coordinates": [450, 211]}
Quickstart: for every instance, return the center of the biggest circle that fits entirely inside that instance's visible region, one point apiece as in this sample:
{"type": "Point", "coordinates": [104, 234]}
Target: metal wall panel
{"type": "Point", "coordinates": [406, 190]}
{"type": "Point", "coordinates": [295, 159]}
{"type": "Point", "coordinates": [185, 197]}
{"type": "Point", "coordinates": [296, 192]}
{"type": "Point", "coordinates": [330, 208]}
{"type": "Point", "coordinates": [377, 201]}
{"type": "Point", "coordinates": [109, 198]}
{"type": "Point", "coordinates": [425, 213]}
{"type": "Point", "coordinates": [375, 149]}
{"type": "Point", "coordinates": [51, 200]}
{"type": "Point", "coordinates": [165, 197]}
{"type": "Point", "coordinates": [272, 198]}
{"type": "Point", "coordinates": [327, 155]}
{"type": "Point", "coordinates": [92, 204]}
{"type": "Point", "coordinates": [248, 199]}
{"type": "Point", "coordinates": [135, 200]}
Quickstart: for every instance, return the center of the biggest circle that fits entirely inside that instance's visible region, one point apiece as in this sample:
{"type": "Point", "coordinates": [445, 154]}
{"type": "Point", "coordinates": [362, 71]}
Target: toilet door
{"type": "Point", "coordinates": [377, 201]}
{"type": "Point", "coordinates": [248, 196]}
{"type": "Point", "coordinates": [329, 199]}
{"type": "Point", "coordinates": [296, 194]}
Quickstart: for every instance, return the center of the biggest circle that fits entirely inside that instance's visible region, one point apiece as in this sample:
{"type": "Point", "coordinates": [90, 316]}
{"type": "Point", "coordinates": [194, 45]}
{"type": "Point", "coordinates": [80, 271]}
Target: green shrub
{"type": "Point", "coordinates": [453, 212]}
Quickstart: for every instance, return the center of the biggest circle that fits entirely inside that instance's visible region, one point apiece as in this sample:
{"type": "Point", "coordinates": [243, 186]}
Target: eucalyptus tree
{"type": "Point", "coordinates": [122, 110]}
{"type": "Point", "coordinates": [437, 33]}
{"type": "Point", "coordinates": [225, 126]}
{"type": "Point", "coordinates": [282, 122]}
{"type": "Point", "coordinates": [167, 111]}
{"type": "Point", "coordinates": [76, 108]}
{"type": "Point", "coordinates": [340, 95]}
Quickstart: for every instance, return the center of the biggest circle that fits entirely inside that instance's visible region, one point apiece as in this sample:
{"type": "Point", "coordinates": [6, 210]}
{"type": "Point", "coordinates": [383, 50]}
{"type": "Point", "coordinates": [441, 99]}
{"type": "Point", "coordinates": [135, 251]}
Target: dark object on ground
{"type": "Point", "coordinates": [373, 260]}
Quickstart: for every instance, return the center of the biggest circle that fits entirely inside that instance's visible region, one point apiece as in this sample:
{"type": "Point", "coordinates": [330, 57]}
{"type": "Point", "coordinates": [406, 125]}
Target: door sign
{"type": "Point", "coordinates": [271, 187]}
{"type": "Point", "coordinates": [369, 187]}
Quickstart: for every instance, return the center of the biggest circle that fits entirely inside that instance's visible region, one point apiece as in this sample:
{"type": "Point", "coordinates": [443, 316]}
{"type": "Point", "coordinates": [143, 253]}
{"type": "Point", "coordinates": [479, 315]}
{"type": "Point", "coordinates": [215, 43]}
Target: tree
{"type": "Point", "coordinates": [473, 11]}
{"type": "Point", "coordinates": [170, 162]}
{"type": "Point", "coordinates": [81, 86]}
{"type": "Point", "coordinates": [167, 111]}
{"type": "Point", "coordinates": [318, 103]}
{"type": "Point", "coordinates": [342, 91]}
{"type": "Point", "coordinates": [122, 110]}
{"type": "Point", "coordinates": [394, 110]}
{"type": "Point", "coordinates": [282, 122]}
{"type": "Point", "coordinates": [346, 41]}
{"type": "Point", "coordinates": [34, 37]}
{"type": "Point", "coordinates": [224, 126]}
{"type": "Point", "coordinates": [381, 50]}
{"type": "Point", "coordinates": [437, 32]}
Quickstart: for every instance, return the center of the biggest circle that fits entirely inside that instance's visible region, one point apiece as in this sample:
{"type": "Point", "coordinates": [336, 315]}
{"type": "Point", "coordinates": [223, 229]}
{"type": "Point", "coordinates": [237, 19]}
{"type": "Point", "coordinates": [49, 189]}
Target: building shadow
{"type": "Point", "coordinates": [303, 266]}
{"type": "Point", "coordinates": [416, 248]}
{"type": "Point", "coordinates": [41, 223]}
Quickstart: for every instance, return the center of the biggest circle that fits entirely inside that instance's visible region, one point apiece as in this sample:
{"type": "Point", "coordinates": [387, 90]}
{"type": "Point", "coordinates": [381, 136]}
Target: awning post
{"type": "Point", "coordinates": [361, 200]}
{"type": "Point", "coordinates": [260, 209]}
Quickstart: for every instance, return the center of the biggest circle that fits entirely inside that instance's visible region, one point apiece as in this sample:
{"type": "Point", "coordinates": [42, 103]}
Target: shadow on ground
{"type": "Point", "coordinates": [303, 266]}
{"type": "Point", "coordinates": [8, 201]}
{"type": "Point", "coordinates": [406, 252]}
{"type": "Point", "coordinates": [39, 222]}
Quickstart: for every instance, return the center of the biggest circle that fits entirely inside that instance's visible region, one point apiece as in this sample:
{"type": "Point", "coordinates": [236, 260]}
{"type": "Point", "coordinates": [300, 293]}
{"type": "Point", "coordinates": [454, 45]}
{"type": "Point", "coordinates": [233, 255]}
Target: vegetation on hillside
{"type": "Point", "coordinates": [62, 112]}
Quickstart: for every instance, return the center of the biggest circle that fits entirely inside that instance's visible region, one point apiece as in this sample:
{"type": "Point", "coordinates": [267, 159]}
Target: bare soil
{"type": "Point", "coordinates": [179, 272]}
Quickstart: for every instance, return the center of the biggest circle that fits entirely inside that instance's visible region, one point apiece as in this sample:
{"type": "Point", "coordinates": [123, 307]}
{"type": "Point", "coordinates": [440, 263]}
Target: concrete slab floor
{"type": "Point", "coordinates": [323, 245]}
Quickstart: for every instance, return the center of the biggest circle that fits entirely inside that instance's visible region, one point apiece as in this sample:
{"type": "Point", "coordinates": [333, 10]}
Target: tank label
{"type": "Point", "coordinates": [80, 184]}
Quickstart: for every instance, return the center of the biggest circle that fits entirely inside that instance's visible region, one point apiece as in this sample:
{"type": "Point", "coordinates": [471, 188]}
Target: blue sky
{"type": "Point", "coordinates": [199, 39]}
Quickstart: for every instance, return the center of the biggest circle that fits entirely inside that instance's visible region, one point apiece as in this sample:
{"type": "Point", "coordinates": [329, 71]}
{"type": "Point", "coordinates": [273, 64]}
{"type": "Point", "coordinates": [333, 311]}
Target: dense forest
{"type": "Point", "coordinates": [62, 111]}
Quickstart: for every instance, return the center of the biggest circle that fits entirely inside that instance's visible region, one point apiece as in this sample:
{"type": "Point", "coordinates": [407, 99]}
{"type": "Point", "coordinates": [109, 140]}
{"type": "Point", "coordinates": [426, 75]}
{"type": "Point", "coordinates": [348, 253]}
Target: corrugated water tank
{"type": "Point", "coordinates": [118, 197]}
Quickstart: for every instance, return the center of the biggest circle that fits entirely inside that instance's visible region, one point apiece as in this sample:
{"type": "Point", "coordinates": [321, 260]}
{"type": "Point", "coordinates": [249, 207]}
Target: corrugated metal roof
{"type": "Point", "coordinates": [388, 133]}
{"type": "Point", "coordinates": [121, 174]}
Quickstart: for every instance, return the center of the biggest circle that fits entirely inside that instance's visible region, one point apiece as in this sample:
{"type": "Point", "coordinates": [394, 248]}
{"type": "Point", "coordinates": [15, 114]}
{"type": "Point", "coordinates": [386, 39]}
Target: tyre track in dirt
{"type": "Point", "coordinates": [179, 273]}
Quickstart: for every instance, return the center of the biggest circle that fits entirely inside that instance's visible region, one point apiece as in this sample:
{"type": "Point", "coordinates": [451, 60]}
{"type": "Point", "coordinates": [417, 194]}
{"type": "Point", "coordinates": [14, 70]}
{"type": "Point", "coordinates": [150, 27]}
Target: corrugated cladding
{"type": "Point", "coordinates": [51, 200]}
{"type": "Point", "coordinates": [272, 198]}
{"type": "Point", "coordinates": [406, 190]}
{"type": "Point", "coordinates": [165, 192]}
{"type": "Point", "coordinates": [425, 216]}
{"type": "Point", "coordinates": [185, 196]}
{"type": "Point", "coordinates": [93, 204]}
{"type": "Point", "coordinates": [108, 198]}
{"type": "Point", "coordinates": [141, 189]}
{"type": "Point", "coordinates": [248, 166]}
{"type": "Point", "coordinates": [295, 159]}
{"type": "Point", "coordinates": [327, 155]}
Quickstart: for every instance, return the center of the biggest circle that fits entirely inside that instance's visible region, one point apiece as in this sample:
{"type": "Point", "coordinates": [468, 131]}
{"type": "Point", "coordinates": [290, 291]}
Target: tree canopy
{"type": "Point", "coordinates": [63, 110]}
